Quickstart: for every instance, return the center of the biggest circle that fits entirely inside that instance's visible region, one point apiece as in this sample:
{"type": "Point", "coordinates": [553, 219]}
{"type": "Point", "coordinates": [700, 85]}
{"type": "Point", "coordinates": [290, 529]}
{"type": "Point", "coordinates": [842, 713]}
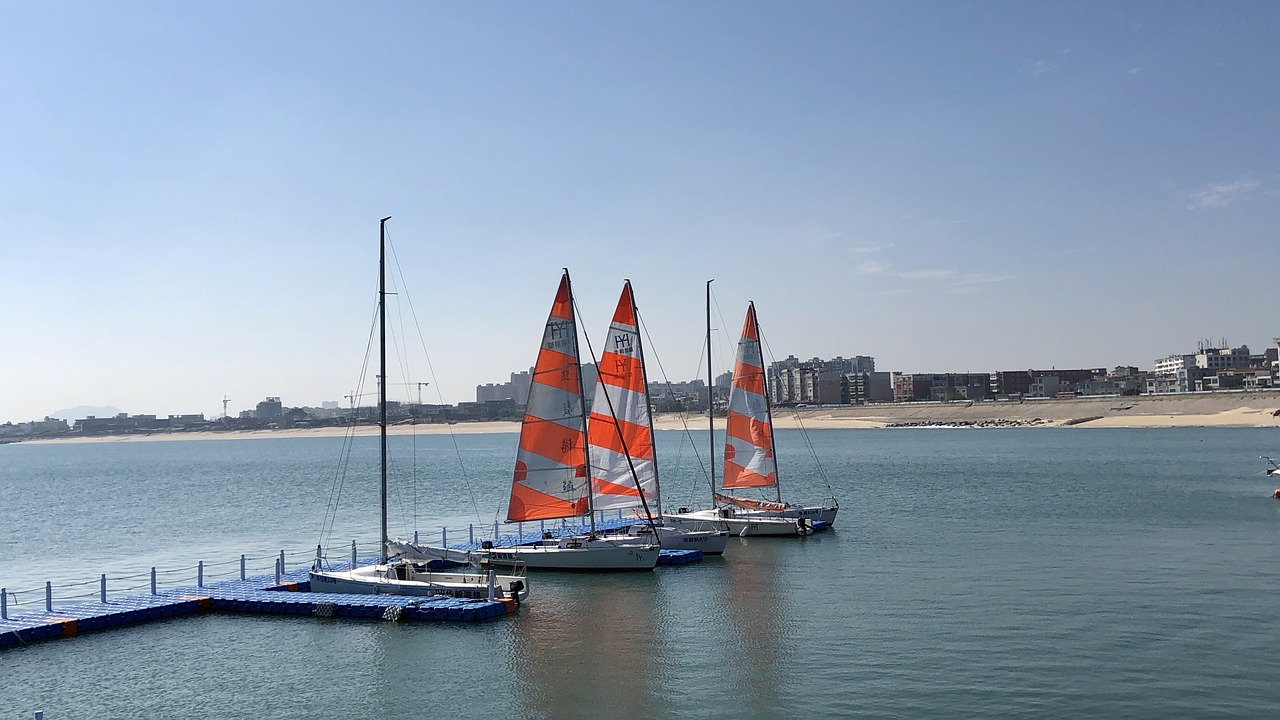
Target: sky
{"type": "Point", "coordinates": [190, 192]}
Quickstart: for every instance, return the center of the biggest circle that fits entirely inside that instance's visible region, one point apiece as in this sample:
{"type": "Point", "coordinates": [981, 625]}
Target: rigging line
{"type": "Point", "coordinates": [724, 337]}
{"type": "Point", "coordinates": [693, 488]}
{"type": "Point", "coordinates": [431, 372]}
{"type": "Point", "coordinates": [684, 420]}
{"type": "Point", "coordinates": [344, 461]}
{"type": "Point", "coordinates": [415, 475]}
{"type": "Point", "coordinates": [644, 502]}
{"type": "Point", "coordinates": [804, 432]}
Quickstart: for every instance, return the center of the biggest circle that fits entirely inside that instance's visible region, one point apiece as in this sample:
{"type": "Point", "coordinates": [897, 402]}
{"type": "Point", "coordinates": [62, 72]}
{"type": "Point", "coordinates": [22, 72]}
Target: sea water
{"type": "Point", "coordinates": [1066, 573]}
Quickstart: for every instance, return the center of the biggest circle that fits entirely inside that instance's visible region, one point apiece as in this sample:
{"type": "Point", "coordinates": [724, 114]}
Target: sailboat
{"type": "Point", "coordinates": [624, 469]}
{"type": "Point", "coordinates": [552, 478]}
{"type": "Point", "coordinates": [398, 575]}
{"type": "Point", "coordinates": [749, 460]}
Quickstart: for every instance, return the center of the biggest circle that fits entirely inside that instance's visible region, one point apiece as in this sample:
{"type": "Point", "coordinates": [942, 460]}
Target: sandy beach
{"type": "Point", "coordinates": [1235, 409]}
{"type": "Point", "coordinates": [1238, 409]}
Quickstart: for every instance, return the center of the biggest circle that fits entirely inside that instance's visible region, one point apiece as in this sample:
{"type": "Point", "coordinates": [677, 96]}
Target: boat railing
{"type": "Point", "coordinates": [500, 534]}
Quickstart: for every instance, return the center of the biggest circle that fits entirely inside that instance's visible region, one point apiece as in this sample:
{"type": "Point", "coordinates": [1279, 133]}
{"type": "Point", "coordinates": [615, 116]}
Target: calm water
{"type": "Point", "coordinates": [973, 573]}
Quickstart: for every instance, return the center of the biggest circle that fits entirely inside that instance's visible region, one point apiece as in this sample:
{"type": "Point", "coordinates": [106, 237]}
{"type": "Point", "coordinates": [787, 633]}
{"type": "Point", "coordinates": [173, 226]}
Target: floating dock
{"type": "Point", "coordinates": [291, 596]}
{"type": "Point", "coordinates": [287, 594]}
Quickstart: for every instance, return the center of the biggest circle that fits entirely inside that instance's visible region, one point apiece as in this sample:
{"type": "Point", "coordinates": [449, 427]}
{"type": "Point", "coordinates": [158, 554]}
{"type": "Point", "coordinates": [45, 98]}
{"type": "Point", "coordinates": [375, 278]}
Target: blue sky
{"type": "Point", "coordinates": [189, 193]}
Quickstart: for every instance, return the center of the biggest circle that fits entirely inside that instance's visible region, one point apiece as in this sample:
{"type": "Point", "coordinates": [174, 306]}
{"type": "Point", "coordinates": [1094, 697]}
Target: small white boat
{"type": "Point", "coordinates": [744, 507]}
{"type": "Point", "coordinates": [746, 525]}
{"type": "Point", "coordinates": [398, 576]}
{"type": "Point", "coordinates": [749, 460]}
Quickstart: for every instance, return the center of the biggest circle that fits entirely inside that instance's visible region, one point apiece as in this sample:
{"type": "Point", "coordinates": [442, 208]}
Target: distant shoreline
{"type": "Point", "coordinates": [1238, 409]}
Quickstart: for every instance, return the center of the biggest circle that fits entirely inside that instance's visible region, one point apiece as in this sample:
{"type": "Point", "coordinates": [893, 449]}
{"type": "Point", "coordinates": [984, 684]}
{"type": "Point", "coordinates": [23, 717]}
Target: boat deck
{"type": "Point", "coordinates": [665, 556]}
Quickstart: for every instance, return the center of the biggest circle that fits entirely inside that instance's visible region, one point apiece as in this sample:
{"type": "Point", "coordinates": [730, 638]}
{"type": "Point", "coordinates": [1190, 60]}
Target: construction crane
{"type": "Point", "coordinates": [420, 386]}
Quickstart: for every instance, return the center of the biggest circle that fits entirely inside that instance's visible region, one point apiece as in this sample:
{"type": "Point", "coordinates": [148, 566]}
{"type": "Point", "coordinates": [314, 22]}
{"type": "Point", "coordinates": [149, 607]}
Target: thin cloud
{"type": "Point", "coordinates": [927, 274]}
{"type": "Point", "coordinates": [1135, 70]}
{"type": "Point", "coordinates": [954, 280]}
{"type": "Point", "coordinates": [1038, 67]}
{"type": "Point", "coordinates": [866, 249]}
{"type": "Point", "coordinates": [1221, 195]}
{"type": "Point", "coordinates": [820, 233]}
{"type": "Point", "coordinates": [870, 267]}
{"type": "Point", "coordinates": [977, 280]}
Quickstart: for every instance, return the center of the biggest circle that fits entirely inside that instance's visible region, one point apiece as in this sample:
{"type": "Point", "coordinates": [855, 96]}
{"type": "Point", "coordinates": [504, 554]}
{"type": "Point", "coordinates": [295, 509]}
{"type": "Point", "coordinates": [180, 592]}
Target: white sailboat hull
{"type": "Point", "coordinates": [825, 513]}
{"type": "Point", "coordinates": [707, 538]}
{"type": "Point", "coordinates": [744, 526]}
{"type": "Point", "coordinates": [405, 580]}
{"type": "Point", "coordinates": [572, 554]}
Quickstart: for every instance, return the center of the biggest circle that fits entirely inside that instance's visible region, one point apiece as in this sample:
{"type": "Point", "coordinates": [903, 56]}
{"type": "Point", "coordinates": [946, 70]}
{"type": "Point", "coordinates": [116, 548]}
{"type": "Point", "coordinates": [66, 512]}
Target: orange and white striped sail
{"type": "Point", "coordinates": [551, 476]}
{"type": "Point", "coordinates": [748, 447]}
{"type": "Point", "coordinates": [620, 426]}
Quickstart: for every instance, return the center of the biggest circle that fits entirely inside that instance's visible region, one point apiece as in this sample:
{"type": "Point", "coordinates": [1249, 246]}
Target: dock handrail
{"type": "Point", "coordinates": [109, 586]}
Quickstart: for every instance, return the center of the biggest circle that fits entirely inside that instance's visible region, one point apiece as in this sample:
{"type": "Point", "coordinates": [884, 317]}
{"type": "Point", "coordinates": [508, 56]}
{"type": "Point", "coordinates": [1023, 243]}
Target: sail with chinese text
{"type": "Point", "coordinates": [620, 428]}
{"type": "Point", "coordinates": [550, 479]}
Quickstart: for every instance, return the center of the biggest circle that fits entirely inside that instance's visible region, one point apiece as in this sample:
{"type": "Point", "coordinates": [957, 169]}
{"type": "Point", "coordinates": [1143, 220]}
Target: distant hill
{"type": "Point", "coordinates": [84, 411]}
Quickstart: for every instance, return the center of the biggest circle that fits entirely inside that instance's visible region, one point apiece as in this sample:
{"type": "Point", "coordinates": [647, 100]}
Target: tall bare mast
{"type": "Point", "coordinates": [382, 376]}
{"type": "Point", "coordinates": [711, 404]}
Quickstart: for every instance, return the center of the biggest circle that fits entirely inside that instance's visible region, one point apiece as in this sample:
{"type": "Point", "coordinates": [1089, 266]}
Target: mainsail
{"type": "Point", "coordinates": [620, 432]}
{"type": "Point", "coordinates": [748, 448]}
{"type": "Point", "coordinates": [550, 478]}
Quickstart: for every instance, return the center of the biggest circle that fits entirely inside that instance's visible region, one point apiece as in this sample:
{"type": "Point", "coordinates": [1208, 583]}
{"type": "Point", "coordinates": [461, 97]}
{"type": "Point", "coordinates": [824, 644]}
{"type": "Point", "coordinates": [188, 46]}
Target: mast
{"type": "Point", "coordinates": [582, 396]}
{"type": "Point", "coordinates": [644, 377]}
{"type": "Point", "coordinates": [711, 421]}
{"type": "Point", "coordinates": [768, 404]}
{"type": "Point", "coordinates": [382, 377]}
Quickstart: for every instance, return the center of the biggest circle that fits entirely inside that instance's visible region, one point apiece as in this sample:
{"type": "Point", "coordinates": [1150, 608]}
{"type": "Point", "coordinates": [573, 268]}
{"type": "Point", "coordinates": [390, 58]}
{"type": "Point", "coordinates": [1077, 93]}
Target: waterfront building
{"type": "Point", "coordinates": [821, 382]}
{"type": "Point", "coordinates": [516, 388]}
{"type": "Point", "coordinates": [1192, 372]}
{"type": "Point", "coordinates": [940, 387]}
{"type": "Point", "coordinates": [126, 423]}
{"type": "Point", "coordinates": [269, 409]}
{"type": "Point", "coordinates": [869, 387]}
{"type": "Point", "coordinates": [908, 387]}
{"type": "Point", "coordinates": [1026, 382]}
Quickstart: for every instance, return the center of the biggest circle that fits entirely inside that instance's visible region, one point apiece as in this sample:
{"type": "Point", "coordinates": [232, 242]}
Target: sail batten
{"type": "Point", "coordinates": [748, 450]}
{"type": "Point", "coordinates": [550, 479]}
{"type": "Point", "coordinates": [620, 432]}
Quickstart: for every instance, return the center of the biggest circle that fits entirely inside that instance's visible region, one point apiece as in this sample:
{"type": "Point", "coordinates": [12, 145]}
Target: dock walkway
{"type": "Point", "coordinates": [262, 594]}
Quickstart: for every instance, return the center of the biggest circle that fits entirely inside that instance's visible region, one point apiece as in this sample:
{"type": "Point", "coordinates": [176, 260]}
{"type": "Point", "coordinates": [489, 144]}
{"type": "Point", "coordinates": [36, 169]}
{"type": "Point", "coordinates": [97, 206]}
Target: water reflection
{"type": "Point", "coordinates": [588, 643]}
{"type": "Point", "coordinates": [754, 621]}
